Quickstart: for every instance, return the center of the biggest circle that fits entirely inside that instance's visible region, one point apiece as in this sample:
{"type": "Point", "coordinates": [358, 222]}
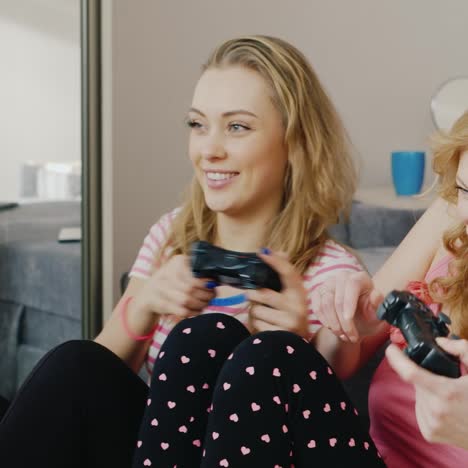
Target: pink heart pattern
{"type": "Point", "coordinates": [147, 462]}
{"type": "Point", "coordinates": [245, 450]}
{"type": "Point", "coordinates": [265, 438]}
{"type": "Point", "coordinates": [312, 444]}
{"type": "Point", "coordinates": [332, 441]}
{"type": "Point", "coordinates": [255, 407]}
{"type": "Point", "coordinates": [234, 417]}
{"type": "Point", "coordinates": [250, 370]}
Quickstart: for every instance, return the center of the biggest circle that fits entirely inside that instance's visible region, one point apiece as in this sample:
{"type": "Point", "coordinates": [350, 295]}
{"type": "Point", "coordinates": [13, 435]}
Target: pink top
{"type": "Point", "coordinates": [331, 259]}
{"type": "Point", "coordinates": [394, 427]}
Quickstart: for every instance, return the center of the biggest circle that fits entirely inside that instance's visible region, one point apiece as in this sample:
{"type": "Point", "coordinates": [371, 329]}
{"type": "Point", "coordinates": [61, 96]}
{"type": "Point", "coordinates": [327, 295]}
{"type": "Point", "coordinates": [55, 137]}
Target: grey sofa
{"type": "Point", "coordinates": [40, 302]}
{"type": "Point", "coordinates": [40, 286]}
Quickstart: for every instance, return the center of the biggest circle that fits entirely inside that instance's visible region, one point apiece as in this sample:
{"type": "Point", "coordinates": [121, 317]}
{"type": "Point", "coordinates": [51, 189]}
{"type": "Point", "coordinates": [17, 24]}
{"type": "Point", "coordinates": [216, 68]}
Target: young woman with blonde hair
{"type": "Point", "coordinates": [235, 378]}
{"type": "Point", "coordinates": [425, 424]}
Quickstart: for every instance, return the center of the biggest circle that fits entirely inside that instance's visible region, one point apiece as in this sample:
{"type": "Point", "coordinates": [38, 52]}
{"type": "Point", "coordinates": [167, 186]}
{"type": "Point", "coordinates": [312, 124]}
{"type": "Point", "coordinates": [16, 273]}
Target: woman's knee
{"type": "Point", "coordinates": [208, 329]}
{"type": "Point", "coordinates": [75, 357]}
{"type": "Point", "coordinates": [276, 346]}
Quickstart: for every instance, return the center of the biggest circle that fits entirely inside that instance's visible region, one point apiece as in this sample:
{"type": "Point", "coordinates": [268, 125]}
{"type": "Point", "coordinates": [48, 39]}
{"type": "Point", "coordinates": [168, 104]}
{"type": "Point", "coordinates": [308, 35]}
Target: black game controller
{"type": "Point", "coordinates": [242, 270]}
{"type": "Point", "coordinates": [420, 327]}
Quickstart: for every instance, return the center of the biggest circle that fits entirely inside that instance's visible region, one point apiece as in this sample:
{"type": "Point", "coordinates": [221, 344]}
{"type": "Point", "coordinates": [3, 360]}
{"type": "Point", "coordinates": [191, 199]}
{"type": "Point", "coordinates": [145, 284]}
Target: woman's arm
{"type": "Point", "coordinates": [410, 261]}
{"type": "Point", "coordinates": [114, 337]}
{"type": "Point", "coordinates": [413, 257]}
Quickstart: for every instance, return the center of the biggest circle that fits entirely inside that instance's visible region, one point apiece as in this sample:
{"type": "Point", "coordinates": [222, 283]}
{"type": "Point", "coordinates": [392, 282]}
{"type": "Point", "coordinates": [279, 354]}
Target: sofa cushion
{"type": "Point", "coordinates": [28, 357]}
{"type": "Point", "coordinates": [375, 226]}
{"type": "Point", "coordinates": [44, 275]}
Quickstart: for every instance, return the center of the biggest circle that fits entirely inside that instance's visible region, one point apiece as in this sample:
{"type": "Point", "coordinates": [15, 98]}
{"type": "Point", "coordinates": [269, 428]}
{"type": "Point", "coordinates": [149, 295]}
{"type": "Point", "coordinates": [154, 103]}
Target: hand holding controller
{"type": "Point", "coordinates": [242, 270]}
{"type": "Point", "coordinates": [420, 327]}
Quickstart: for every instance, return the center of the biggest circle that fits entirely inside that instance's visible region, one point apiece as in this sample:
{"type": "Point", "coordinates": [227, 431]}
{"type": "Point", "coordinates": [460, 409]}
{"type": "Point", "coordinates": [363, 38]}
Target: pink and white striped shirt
{"type": "Point", "coordinates": [331, 259]}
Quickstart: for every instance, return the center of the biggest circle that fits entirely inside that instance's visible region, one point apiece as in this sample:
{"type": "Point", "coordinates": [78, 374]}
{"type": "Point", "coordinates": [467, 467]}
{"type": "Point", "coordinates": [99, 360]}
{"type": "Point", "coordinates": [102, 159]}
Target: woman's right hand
{"type": "Point", "coordinates": [173, 290]}
{"type": "Point", "coordinates": [347, 304]}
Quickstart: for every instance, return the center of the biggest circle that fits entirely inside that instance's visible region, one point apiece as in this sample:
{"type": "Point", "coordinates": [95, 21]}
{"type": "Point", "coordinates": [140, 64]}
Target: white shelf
{"type": "Point", "coordinates": [386, 197]}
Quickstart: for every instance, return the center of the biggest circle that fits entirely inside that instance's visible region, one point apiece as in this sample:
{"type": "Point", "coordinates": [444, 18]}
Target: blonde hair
{"type": "Point", "coordinates": [451, 291]}
{"type": "Point", "coordinates": [320, 177]}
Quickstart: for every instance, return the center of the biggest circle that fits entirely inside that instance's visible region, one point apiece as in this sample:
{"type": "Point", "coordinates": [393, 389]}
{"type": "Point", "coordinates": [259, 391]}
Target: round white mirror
{"type": "Point", "coordinates": [450, 102]}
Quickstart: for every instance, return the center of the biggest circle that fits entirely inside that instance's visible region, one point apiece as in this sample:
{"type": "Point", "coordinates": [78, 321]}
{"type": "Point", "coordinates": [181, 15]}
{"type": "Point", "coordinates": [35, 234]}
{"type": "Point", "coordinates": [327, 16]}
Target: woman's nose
{"type": "Point", "coordinates": [213, 146]}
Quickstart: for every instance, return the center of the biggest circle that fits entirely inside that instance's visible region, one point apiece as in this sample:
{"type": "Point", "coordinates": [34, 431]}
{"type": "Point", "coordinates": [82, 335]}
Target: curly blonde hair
{"type": "Point", "coordinates": [320, 178]}
{"type": "Point", "coordinates": [452, 290]}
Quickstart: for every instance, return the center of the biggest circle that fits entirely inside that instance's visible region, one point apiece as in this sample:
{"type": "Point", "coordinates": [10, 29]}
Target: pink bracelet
{"type": "Point", "coordinates": [123, 315]}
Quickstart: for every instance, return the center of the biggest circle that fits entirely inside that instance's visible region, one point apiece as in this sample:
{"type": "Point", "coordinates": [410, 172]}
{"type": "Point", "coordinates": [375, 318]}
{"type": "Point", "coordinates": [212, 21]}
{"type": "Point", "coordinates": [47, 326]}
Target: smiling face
{"type": "Point", "coordinates": [237, 143]}
{"type": "Point", "coordinates": [462, 188]}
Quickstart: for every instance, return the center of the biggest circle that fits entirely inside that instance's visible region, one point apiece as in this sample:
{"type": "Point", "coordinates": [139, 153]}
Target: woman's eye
{"type": "Point", "coordinates": [236, 127]}
{"type": "Point", "coordinates": [193, 124]}
{"type": "Point", "coordinates": [462, 191]}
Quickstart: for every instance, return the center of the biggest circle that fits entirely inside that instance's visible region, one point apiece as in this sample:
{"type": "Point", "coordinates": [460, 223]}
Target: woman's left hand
{"type": "Point", "coordinates": [285, 310]}
{"type": "Point", "coordinates": [441, 402]}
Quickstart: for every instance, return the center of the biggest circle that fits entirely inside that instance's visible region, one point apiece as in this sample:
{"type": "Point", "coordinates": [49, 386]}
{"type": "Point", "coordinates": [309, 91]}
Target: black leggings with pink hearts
{"type": "Point", "coordinates": [218, 398]}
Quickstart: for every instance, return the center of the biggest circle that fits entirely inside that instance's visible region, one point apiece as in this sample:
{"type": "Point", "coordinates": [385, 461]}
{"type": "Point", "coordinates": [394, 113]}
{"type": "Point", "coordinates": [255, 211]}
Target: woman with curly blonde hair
{"type": "Point", "coordinates": [235, 380]}
{"type": "Point", "coordinates": [451, 165]}
{"type": "Point", "coordinates": [419, 418]}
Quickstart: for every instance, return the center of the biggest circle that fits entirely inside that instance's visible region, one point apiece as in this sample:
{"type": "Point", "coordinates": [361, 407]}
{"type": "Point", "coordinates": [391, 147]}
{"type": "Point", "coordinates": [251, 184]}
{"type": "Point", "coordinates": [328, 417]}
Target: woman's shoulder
{"type": "Point", "coordinates": [333, 250]}
{"type": "Point", "coordinates": [331, 259]}
{"type": "Point", "coordinates": [160, 229]}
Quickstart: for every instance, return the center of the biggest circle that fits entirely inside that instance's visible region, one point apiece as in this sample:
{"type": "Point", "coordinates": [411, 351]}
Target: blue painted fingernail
{"type": "Point", "coordinates": [211, 284]}
{"type": "Point", "coordinates": [265, 251]}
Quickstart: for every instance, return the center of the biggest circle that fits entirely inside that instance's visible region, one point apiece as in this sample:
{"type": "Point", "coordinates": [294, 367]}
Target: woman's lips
{"type": "Point", "coordinates": [218, 180]}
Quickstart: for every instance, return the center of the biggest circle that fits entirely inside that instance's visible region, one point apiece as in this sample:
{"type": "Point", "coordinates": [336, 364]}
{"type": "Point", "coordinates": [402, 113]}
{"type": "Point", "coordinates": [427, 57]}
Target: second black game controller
{"type": "Point", "coordinates": [420, 327]}
{"type": "Point", "coordinates": [238, 269]}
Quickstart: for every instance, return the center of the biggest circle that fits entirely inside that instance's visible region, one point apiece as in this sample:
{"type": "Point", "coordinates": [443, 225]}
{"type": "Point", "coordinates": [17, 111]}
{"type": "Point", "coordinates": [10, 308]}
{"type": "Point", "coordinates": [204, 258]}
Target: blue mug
{"type": "Point", "coordinates": [408, 171]}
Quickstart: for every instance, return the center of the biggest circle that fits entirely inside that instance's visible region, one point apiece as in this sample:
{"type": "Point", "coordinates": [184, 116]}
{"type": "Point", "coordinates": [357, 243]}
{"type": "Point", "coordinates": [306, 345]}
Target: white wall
{"type": "Point", "coordinates": [39, 86]}
{"type": "Point", "coordinates": [380, 61]}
